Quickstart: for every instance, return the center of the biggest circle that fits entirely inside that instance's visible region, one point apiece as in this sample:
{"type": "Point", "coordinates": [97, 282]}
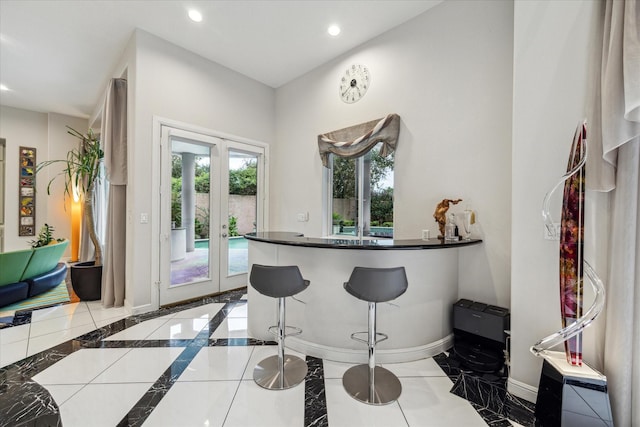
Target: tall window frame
{"type": "Point", "coordinates": [370, 186]}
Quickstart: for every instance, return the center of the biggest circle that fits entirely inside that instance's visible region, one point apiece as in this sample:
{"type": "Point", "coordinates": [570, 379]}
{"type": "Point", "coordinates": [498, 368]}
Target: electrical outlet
{"type": "Point", "coordinates": [144, 218]}
{"type": "Point", "coordinates": [303, 217]}
{"type": "Point", "coordinates": [549, 236]}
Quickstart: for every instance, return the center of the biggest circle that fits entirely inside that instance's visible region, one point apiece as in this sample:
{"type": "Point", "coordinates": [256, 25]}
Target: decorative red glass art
{"type": "Point", "coordinates": [573, 266]}
{"type": "Point", "coordinates": [571, 245]}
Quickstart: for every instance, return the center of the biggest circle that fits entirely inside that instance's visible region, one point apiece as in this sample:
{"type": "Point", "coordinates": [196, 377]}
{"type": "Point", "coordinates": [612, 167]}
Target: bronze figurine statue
{"type": "Point", "coordinates": [441, 213]}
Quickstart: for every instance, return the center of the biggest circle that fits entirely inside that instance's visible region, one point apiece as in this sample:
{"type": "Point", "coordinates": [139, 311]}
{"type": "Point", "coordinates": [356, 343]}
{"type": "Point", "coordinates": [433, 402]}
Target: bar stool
{"type": "Point", "coordinates": [281, 371]}
{"type": "Point", "coordinates": [369, 383]}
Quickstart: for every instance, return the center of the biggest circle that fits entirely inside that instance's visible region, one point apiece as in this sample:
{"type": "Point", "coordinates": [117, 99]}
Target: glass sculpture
{"type": "Point", "coordinates": [572, 263]}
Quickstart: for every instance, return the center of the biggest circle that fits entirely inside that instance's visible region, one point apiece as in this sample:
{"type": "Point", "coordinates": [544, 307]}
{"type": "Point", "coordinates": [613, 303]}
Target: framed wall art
{"type": "Point", "coordinates": [27, 192]}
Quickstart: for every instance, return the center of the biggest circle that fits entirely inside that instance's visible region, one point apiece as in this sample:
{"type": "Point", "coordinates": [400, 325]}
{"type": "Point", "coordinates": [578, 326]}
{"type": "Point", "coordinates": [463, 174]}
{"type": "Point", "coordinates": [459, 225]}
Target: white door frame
{"type": "Point", "coordinates": [211, 284]}
{"type": "Point", "coordinates": [227, 281]}
{"type": "Point", "coordinates": [228, 140]}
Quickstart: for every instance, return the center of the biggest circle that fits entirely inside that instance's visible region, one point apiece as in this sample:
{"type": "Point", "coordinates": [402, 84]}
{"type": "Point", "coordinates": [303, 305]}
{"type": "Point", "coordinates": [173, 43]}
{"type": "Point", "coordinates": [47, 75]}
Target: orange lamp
{"type": "Point", "coordinates": [76, 217]}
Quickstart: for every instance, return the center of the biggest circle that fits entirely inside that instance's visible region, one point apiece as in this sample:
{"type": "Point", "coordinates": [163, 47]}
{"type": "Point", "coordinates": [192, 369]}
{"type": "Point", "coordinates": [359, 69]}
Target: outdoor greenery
{"type": "Point", "coordinates": [202, 226]}
{"type": "Point", "coordinates": [233, 226]}
{"type": "Point", "coordinates": [201, 184]}
{"type": "Point", "coordinates": [242, 181]}
{"type": "Point", "coordinates": [202, 175]}
{"type": "Point", "coordinates": [176, 201]}
{"type": "Point", "coordinates": [382, 207]}
{"type": "Point", "coordinates": [337, 218]}
{"type": "Point", "coordinates": [344, 187]}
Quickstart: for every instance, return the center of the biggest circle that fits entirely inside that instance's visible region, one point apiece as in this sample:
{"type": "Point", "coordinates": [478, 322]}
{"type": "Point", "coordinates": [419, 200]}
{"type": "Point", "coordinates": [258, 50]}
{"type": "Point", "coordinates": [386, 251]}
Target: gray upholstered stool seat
{"type": "Point", "coordinates": [280, 371]}
{"type": "Point", "coordinates": [369, 383]}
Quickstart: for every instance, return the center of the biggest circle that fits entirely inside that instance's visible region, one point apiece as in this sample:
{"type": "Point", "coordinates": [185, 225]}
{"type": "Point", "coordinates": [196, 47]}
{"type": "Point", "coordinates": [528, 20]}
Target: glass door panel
{"type": "Point", "coordinates": [189, 192]}
{"type": "Point", "coordinates": [243, 190]}
{"type": "Point", "coordinates": [211, 195]}
{"type": "Point", "coordinates": [245, 164]}
{"type": "Point", "coordinates": [190, 260]}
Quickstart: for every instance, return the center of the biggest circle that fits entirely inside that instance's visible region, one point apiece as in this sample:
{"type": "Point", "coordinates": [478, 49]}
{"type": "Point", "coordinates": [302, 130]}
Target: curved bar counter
{"type": "Point", "coordinates": [418, 323]}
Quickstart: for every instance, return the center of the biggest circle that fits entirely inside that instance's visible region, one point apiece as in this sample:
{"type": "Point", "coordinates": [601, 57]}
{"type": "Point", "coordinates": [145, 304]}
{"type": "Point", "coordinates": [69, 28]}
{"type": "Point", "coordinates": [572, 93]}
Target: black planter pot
{"type": "Point", "coordinates": [86, 280]}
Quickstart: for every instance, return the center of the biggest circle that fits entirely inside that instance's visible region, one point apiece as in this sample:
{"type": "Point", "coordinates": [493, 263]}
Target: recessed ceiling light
{"type": "Point", "coordinates": [3, 87]}
{"type": "Point", "coordinates": [195, 15]}
{"type": "Point", "coordinates": [333, 30]}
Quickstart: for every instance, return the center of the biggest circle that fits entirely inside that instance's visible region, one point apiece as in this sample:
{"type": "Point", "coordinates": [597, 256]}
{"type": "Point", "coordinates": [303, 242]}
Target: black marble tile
{"type": "Point", "coordinates": [492, 418]}
{"type": "Point", "coordinates": [22, 318]}
{"type": "Point", "coordinates": [27, 403]}
{"type": "Point", "coordinates": [315, 401]}
{"type": "Point", "coordinates": [23, 370]}
{"type": "Point", "coordinates": [487, 393]}
{"type": "Point", "coordinates": [520, 410]}
{"type": "Point", "coordinates": [24, 402]}
{"type": "Point", "coordinates": [138, 343]}
{"type": "Point", "coordinates": [476, 389]}
{"type": "Point", "coordinates": [17, 319]}
{"type": "Point", "coordinates": [242, 342]}
{"type": "Point", "coordinates": [147, 403]}
{"type": "Point", "coordinates": [449, 365]}
{"type": "Point", "coordinates": [500, 423]}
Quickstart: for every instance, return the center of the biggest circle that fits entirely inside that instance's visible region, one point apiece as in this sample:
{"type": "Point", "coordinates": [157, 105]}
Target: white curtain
{"type": "Point", "coordinates": [114, 140]}
{"type": "Point", "coordinates": [100, 198]}
{"type": "Point", "coordinates": [614, 165]}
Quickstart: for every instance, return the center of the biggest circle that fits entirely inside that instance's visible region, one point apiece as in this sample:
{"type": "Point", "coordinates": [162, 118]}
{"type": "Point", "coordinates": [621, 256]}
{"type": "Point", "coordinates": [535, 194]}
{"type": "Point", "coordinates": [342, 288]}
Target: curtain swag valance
{"type": "Point", "coordinates": [357, 140]}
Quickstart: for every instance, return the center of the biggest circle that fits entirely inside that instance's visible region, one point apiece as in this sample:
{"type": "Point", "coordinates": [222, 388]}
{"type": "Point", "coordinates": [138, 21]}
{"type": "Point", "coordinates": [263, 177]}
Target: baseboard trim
{"type": "Point", "coordinates": [138, 309]}
{"type": "Point", "coordinates": [522, 390]}
{"type": "Point", "coordinates": [360, 356]}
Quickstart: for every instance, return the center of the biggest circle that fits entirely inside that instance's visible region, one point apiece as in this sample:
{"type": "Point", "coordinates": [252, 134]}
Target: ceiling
{"type": "Point", "coordinates": [56, 56]}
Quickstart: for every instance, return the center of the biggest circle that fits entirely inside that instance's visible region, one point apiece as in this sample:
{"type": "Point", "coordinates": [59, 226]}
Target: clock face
{"type": "Point", "coordinates": [354, 83]}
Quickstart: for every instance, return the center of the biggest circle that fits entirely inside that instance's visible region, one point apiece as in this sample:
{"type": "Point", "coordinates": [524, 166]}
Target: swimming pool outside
{"type": "Point", "coordinates": [196, 264]}
{"type": "Point", "coordinates": [238, 242]}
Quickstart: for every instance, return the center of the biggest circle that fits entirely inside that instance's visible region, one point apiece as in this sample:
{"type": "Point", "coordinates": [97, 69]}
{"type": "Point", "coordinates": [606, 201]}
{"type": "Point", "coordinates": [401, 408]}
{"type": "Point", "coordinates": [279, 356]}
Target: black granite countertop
{"type": "Point", "coordinates": [298, 239]}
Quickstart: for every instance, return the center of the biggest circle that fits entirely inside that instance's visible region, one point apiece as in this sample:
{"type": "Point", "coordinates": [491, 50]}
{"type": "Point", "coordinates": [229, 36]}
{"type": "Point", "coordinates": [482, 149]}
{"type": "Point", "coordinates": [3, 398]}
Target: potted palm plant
{"type": "Point", "coordinates": [82, 170]}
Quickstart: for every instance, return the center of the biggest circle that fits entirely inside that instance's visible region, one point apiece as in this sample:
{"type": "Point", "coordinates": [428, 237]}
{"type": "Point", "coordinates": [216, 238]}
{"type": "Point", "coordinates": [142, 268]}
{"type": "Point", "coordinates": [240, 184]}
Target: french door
{"type": "Point", "coordinates": [211, 195]}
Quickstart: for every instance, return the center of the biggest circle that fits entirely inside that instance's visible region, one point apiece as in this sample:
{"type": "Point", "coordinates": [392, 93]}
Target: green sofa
{"type": "Point", "coordinates": [26, 273]}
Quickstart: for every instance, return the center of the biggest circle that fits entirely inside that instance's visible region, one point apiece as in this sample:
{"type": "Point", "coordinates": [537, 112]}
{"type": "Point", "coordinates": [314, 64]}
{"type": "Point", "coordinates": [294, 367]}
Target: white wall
{"type": "Point", "coordinates": [27, 129]}
{"type": "Point", "coordinates": [59, 144]}
{"type": "Point", "coordinates": [447, 73]}
{"type": "Point", "coordinates": [457, 75]}
{"type": "Point", "coordinates": [169, 82]}
{"type": "Point", "coordinates": [552, 44]}
{"type": "Point", "coordinates": [48, 134]}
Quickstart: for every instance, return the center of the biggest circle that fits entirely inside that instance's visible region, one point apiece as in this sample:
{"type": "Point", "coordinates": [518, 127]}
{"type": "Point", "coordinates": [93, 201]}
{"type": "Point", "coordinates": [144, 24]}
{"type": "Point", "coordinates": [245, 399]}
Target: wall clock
{"type": "Point", "coordinates": [354, 83]}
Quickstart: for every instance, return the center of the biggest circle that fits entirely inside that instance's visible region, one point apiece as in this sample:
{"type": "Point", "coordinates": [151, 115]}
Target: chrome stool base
{"type": "Point", "coordinates": [267, 375]}
{"type": "Point", "coordinates": [386, 388]}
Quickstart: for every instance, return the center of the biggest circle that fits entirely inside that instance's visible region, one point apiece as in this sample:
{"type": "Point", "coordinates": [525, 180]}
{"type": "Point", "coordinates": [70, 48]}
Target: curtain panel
{"type": "Point", "coordinates": [114, 139]}
{"type": "Point", "coordinates": [357, 140]}
{"type": "Point", "coordinates": [613, 166]}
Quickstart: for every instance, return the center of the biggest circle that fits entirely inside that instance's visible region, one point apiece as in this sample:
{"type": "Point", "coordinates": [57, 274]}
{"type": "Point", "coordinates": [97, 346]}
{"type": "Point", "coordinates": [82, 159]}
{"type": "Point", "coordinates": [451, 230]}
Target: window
{"type": "Point", "coordinates": [361, 194]}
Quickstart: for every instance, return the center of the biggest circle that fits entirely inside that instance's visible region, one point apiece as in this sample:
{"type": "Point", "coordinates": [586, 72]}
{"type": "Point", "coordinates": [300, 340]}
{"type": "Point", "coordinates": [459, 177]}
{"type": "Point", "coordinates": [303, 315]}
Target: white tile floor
{"type": "Point", "coordinates": [99, 386]}
{"type": "Point", "coordinates": [52, 326]}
